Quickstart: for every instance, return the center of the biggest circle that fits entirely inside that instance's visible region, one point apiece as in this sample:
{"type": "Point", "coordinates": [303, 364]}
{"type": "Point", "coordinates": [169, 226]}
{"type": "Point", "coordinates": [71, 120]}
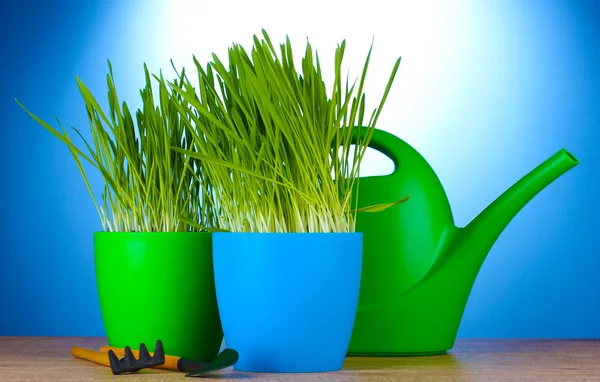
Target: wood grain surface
{"type": "Point", "coordinates": [48, 359]}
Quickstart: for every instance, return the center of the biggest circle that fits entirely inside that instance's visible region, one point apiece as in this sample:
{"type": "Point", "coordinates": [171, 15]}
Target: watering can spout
{"type": "Point", "coordinates": [486, 227]}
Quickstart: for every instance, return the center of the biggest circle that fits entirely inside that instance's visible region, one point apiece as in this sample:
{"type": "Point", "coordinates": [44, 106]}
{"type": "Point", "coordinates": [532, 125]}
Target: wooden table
{"type": "Point", "coordinates": [48, 359]}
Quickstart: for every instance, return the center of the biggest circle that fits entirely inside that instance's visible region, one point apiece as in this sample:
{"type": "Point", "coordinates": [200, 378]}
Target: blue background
{"type": "Point", "coordinates": [526, 83]}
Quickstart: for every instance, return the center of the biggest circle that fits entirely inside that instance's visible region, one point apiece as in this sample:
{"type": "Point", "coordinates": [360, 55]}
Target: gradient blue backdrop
{"type": "Point", "coordinates": [530, 85]}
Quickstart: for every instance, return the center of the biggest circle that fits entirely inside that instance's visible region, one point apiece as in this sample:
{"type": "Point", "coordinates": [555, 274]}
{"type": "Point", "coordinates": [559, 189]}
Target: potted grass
{"type": "Point", "coordinates": [154, 269]}
{"type": "Point", "coordinates": [283, 156]}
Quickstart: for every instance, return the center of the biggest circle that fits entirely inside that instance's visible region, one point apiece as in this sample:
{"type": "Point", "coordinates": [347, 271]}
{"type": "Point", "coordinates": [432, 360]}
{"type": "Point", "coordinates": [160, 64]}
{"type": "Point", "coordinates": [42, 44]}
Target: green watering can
{"type": "Point", "coordinates": [418, 267]}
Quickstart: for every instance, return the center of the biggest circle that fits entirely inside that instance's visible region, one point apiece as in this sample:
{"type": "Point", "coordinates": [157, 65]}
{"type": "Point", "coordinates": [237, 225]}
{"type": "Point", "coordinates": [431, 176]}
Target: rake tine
{"type": "Point", "coordinates": [129, 357]}
{"type": "Point", "coordinates": [114, 362]}
{"type": "Point", "coordinates": [144, 355]}
{"type": "Point", "coordinates": [159, 352]}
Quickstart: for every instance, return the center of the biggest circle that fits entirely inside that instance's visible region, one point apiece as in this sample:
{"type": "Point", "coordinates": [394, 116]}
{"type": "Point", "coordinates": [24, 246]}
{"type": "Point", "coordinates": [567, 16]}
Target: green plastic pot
{"type": "Point", "coordinates": [159, 285]}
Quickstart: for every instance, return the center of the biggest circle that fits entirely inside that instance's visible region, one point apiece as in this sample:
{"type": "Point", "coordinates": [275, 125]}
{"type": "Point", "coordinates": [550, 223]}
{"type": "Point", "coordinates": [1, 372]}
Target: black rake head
{"type": "Point", "coordinates": [129, 364]}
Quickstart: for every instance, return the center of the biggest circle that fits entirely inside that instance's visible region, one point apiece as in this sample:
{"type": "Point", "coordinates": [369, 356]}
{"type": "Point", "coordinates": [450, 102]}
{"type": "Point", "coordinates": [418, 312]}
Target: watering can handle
{"type": "Point", "coordinates": [386, 143]}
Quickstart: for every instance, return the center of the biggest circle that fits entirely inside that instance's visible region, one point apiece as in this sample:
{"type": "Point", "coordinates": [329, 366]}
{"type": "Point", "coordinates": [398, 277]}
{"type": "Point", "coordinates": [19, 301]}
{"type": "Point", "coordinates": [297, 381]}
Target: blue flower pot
{"type": "Point", "coordinates": [287, 301]}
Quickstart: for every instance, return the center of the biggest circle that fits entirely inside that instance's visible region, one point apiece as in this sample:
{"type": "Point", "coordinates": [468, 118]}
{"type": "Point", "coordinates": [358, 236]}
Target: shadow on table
{"type": "Point", "coordinates": [228, 375]}
{"type": "Point", "coordinates": [446, 361]}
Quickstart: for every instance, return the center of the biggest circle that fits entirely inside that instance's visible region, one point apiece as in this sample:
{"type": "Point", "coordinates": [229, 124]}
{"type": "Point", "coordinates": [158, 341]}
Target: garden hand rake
{"type": "Point", "coordinates": [127, 364]}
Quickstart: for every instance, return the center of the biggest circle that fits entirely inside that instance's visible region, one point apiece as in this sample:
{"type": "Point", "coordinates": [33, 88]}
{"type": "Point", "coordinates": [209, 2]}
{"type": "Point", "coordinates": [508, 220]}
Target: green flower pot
{"type": "Point", "coordinates": [159, 285]}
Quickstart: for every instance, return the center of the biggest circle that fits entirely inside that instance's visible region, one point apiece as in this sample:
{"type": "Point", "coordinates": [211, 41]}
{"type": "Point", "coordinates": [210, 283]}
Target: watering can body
{"type": "Point", "coordinates": [418, 267]}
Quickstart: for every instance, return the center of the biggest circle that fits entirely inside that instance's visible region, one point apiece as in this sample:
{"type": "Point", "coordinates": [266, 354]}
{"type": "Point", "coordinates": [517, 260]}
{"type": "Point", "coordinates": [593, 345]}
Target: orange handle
{"type": "Point", "coordinates": [100, 358]}
{"type": "Point", "coordinates": [170, 361]}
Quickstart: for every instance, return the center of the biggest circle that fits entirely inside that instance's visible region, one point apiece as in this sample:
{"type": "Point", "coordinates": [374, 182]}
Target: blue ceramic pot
{"type": "Point", "coordinates": [287, 301]}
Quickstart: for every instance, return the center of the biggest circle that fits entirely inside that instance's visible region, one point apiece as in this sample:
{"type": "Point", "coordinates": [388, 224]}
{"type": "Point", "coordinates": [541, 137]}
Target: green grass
{"type": "Point", "coordinates": [257, 145]}
{"type": "Point", "coordinates": [276, 146]}
{"type": "Point", "coordinates": [148, 187]}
